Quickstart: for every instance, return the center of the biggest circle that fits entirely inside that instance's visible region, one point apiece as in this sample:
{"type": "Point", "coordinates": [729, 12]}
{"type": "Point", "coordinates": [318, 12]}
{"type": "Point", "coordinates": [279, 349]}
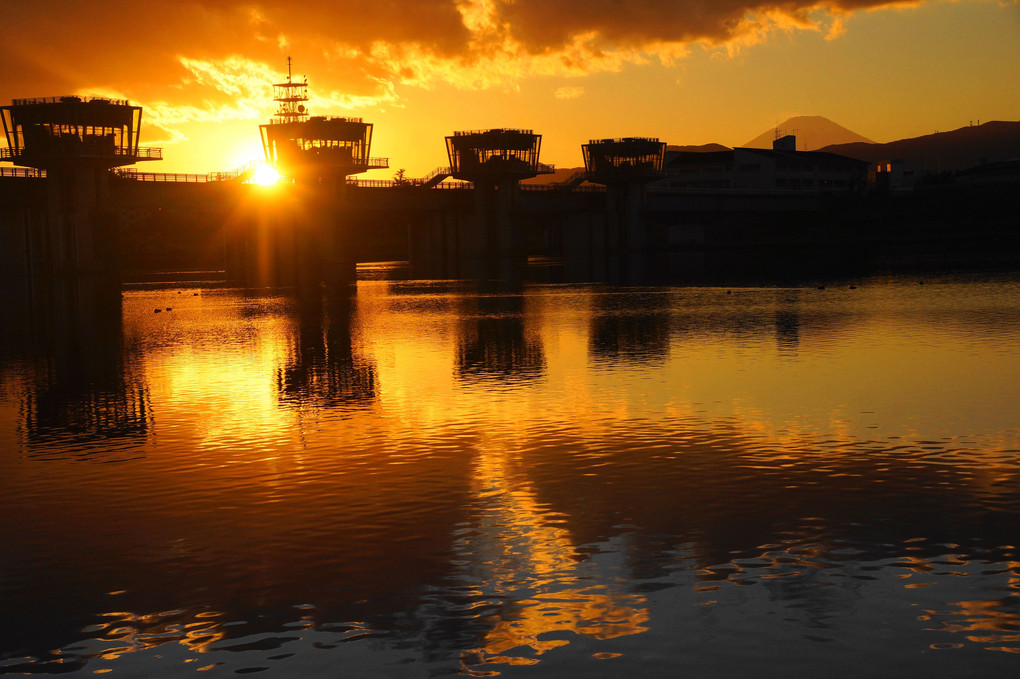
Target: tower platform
{"type": "Point", "coordinates": [495, 155]}
{"type": "Point", "coordinates": [312, 148]}
{"type": "Point", "coordinates": [54, 132]}
{"type": "Point", "coordinates": [623, 160]}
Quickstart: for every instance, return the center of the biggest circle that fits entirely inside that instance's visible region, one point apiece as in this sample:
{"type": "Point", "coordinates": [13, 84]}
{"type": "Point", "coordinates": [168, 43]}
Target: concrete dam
{"type": "Point", "coordinates": [73, 205]}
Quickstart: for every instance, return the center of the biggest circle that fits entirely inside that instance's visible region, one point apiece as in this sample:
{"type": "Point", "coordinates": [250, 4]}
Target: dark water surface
{"type": "Point", "coordinates": [434, 478]}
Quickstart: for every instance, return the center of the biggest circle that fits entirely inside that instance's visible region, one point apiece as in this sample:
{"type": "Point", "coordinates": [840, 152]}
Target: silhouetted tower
{"type": "Point", "coordinates": [76, 141]}
{"type": "Point", "coordinates": [301, 238]}
{"type": "Point", "coordinates": [495, 161]}
{"type": "Point", "coordinates": [624, 166]}
{"type": "Point", "coordinates": [315, 149]}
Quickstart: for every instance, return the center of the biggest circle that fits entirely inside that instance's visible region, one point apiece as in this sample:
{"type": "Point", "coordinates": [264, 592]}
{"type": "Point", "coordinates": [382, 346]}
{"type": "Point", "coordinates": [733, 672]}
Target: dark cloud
{"type": "Point", "coordinates": [542, 25]}
{"type": "Point", "coordinates": [48, 46]}
{"type": "Point", "coordinates": [136, 47]}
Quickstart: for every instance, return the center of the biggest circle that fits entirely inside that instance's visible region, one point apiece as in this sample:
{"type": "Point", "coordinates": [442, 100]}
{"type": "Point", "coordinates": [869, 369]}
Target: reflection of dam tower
{"type": "Point", "coordinates": [76, 141]}
{"type": "Point", "coordinates": [624, 166]}
{"type": "Point", "coordinates": [315, 149]}
{"type": "Point", "coordinates": [495, 161]}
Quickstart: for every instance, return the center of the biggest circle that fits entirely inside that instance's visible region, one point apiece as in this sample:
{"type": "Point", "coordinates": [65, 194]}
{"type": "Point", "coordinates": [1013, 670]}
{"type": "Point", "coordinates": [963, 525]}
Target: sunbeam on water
{"type": "Point", "coordinates": [573, 480]}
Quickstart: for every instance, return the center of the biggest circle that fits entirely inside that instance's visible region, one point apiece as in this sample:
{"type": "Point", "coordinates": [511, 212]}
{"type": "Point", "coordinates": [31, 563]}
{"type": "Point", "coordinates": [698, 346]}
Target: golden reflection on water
{"type": "Point", "coordinates": [124, 632]}
{"type": "Point", "coordinates": [993, 624]}
{"type": "Point", "coordinates": [836, 387]}
{"type": "Point", "coordinates": [419, 420]}
{"type": "Point", "coordinates": [520, 556]}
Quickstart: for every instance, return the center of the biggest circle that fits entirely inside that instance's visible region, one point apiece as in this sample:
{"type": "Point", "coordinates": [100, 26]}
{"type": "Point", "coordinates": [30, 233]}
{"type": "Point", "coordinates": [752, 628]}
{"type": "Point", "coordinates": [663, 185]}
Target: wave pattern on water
{"type": "Point", "coordinates": [429, 478]}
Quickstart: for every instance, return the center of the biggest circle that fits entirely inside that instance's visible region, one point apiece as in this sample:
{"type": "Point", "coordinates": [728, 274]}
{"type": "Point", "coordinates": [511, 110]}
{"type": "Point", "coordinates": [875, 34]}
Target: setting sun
{"type": "Point", "coordinates": [264, 175]}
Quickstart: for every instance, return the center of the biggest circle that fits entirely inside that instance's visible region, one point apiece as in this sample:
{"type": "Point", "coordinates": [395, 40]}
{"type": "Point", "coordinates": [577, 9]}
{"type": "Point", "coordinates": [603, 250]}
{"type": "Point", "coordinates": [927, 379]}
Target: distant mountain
{"type": "Point", "coordinates": [812, 132]}
{"type": "Point", "coordinates": [561, 174]}
{"type": "Point", "coordinates": [701, 148]}
{"type": "Point", "coordinates": [956, 150]}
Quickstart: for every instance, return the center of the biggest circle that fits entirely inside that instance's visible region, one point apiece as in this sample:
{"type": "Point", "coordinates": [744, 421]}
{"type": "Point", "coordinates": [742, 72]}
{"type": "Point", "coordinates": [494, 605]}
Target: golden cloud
{"type": "Point", "coordinates": [569, 92]}
{"type": "Point", "coordinates": [205, 60]}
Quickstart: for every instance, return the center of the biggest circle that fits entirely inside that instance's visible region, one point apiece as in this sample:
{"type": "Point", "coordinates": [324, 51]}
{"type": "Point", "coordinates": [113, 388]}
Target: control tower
{"type": "Point", "coordinates": [627, 160]}
{"type": "Point", "coordinates": [314, 149]}
{"type": "Point", "coordinates": [494, 156]}
{"type": "Point", "coordinates": [495, 161]}
{"type": "Point", "coordinates": [624, 166]}
{"type": "Point", "coordinates": [76, 141]}
{"type": "Point", "coordinates": [302, 236]}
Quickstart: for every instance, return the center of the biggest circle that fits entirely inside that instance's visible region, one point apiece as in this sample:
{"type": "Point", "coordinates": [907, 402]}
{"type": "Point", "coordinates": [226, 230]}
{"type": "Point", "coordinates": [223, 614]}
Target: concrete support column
{"type": "Point", "coordinates": [81, 230]}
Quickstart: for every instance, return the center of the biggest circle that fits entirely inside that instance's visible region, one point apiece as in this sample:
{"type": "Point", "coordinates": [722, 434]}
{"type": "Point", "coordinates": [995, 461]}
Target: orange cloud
{"type": "Point", "coordinates": [203, 59]}
{"type": "Point", "coordinates": [569, 92]}
{"type": "Point", "coordinates": [542, 26]}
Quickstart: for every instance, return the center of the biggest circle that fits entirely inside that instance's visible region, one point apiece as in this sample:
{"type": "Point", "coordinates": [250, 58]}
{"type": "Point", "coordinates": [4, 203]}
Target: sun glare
{"type": "Point", "coordinates": [264, 175]}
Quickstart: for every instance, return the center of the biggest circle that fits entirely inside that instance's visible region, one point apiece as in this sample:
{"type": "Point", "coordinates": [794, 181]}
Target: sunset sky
{"type": "Point", "coordinates": [685, 71]}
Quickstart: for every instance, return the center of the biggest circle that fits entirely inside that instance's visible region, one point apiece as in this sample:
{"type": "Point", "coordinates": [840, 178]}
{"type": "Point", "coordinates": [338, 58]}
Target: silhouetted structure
{"type": "Point", "coordinates": [494, 343]}
{"type": "Point", "coordinates": [323, 368]}
{"type": "Point", "coordinates": [314, 148]}
{"type": "Point", "coordinates": [303, 240]}
{"type": "Point", "coordinates": [497, 155]}
{"type": "Point", "coordinates": [624, 166]}
{"type": "Point", "coordinates": [76, 141]}
{"type": "Point", "coordinates": [629, 159]}
{"type": "Point", "coordinates": [495, 161]}
{"type": "Point", "coordinates": [56, 215]}
{"type": "Point", "coordinates": [781, 169]}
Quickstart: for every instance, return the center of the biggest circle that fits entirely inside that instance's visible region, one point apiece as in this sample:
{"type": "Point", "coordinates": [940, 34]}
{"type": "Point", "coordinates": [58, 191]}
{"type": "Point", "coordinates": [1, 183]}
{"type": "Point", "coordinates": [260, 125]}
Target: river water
{"type": "Point", "coordinates": [427, 478]}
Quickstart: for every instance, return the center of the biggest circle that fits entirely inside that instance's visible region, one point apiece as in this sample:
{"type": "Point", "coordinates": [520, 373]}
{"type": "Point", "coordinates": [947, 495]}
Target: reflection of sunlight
{"type": "Point", "coordinates": [231, 401]}
{"type": "Point", "coordinates": [522, 558]}
{"type": "Point", "coordinates": [219, 395]}
{"type": "Point", "coordinates": [124, 632]}
{"type": "Point", "coordinates": [264, 175]}
{"type": "Point", "coordinates": [991, 623]}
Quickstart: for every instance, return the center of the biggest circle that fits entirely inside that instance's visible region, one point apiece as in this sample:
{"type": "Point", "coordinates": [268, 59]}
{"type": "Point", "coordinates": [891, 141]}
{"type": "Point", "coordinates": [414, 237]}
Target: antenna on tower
{"type": "Point", "coordinates": [291, 98]}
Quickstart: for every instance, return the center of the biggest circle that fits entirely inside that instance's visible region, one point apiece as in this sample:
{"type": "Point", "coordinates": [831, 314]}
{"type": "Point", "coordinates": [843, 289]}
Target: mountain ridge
{"type": "Point", "coordinates": [812, 132]}
{"type": "Point", "coordinates": [958, 149]}
{"type": "Point", "coordinates": [950, 151]}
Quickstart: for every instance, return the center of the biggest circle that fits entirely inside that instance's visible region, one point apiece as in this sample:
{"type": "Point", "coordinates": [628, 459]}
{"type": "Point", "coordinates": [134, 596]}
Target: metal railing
{"type": "Point", "coordinates": [77, 150]}
{"type": "Point", "coordinates": [371, 183]}
{"type": "Point", "coordinates": [492, 131]}
{"type": "Point", "coordinates": [573, 181]}
{"type": "Point", "coordinates": [239, 173]}
{"type": "Point", "coordinates": [453, 185]}
{"type": "Point", "coordinates": [171, 177]}
{"type": "Point", "coordinates": [69, 100]}
{"type": "Point", "coordinates": [24, 172]}
{"type": "Point", "coordinates": [390, 183]}
{"type": "Point", "coordinates": [429, 179]}
{"type": "Point", "coordinates": [149, 154]}
{"type": "Point", "coordinates": [594, 188]}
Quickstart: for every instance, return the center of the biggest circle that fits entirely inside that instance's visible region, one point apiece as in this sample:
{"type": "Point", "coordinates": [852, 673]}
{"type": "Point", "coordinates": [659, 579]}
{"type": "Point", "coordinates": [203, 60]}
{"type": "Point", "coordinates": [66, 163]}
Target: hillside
{"type": "Point", "coordinates": [812, 132]}
{"type": "Point", "coordinates": [561, 174]}
{"type": "Point", "coordinates": [701, 148]}
{"type": "Point", "coordinates": [956, 150]}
